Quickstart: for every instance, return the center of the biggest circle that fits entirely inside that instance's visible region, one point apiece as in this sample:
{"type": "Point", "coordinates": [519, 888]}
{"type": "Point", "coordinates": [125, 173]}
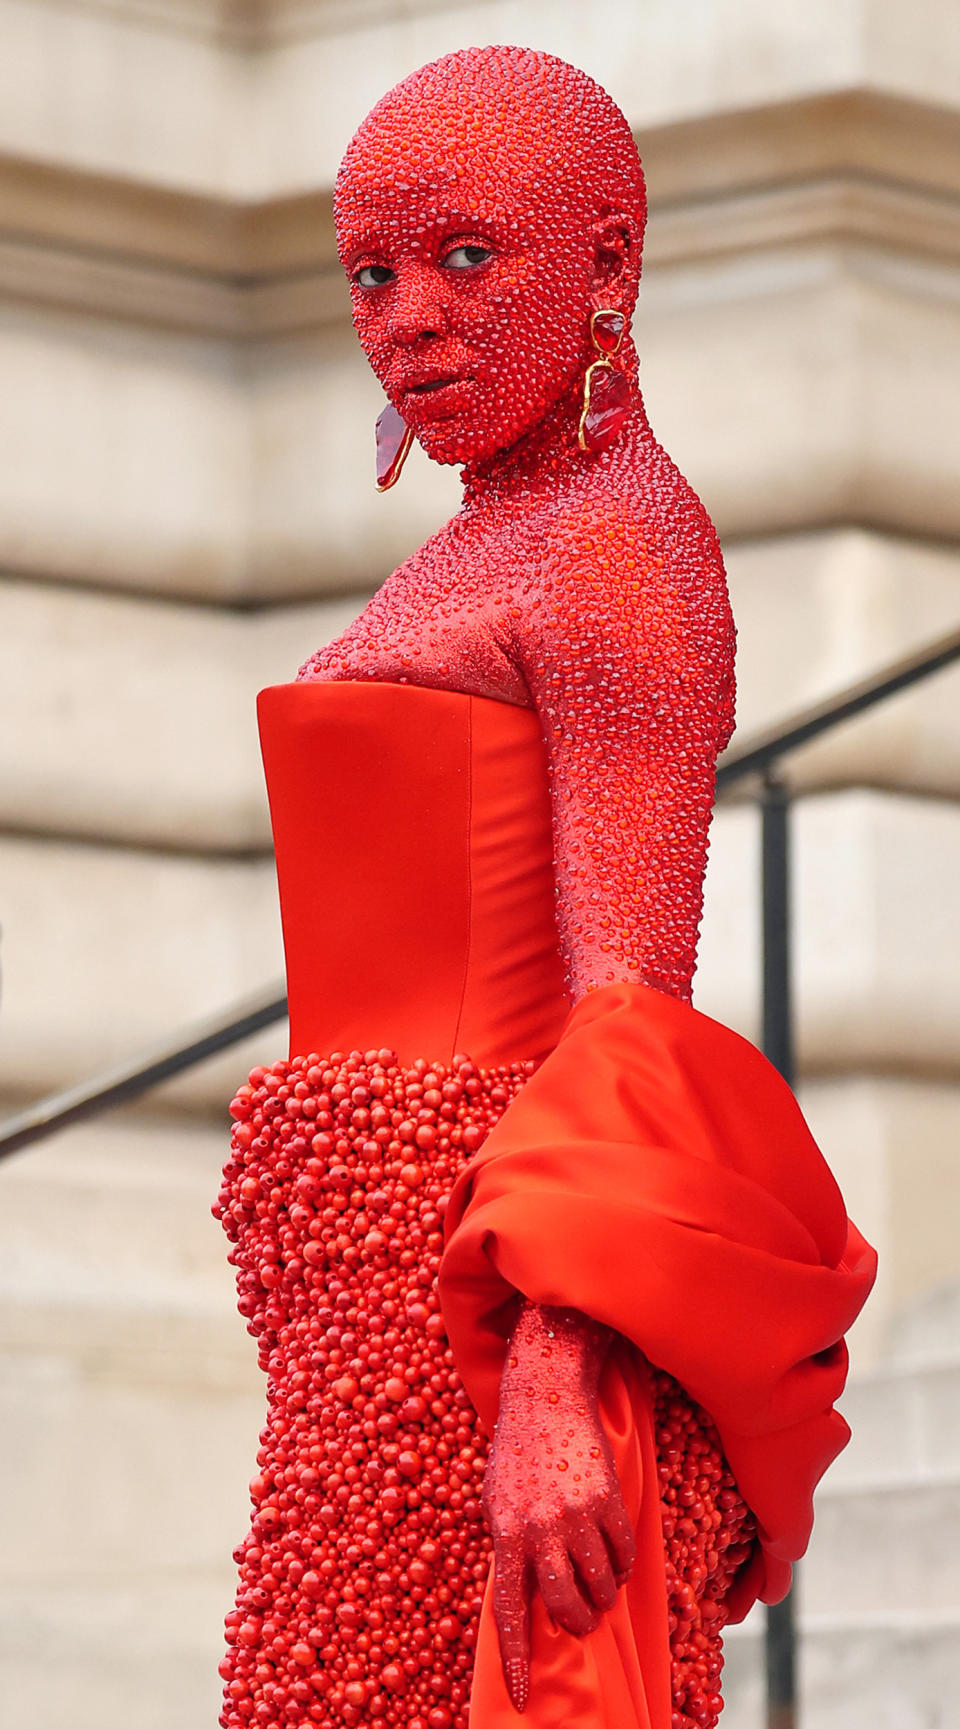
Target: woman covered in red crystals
{"type": "Point", "coordinates": [544, 1266]}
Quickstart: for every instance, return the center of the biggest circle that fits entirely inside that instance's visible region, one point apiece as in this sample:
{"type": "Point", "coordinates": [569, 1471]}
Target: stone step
{"type": "Point", "coordinates": [818, 612]}
{"type": "Point", "coordinates": [906, 1427]}
{"type": "Point", "coordinates": [890, 1142]}
{"type": "Point", "coordinates": [131, 1398]}
{"type": "Point", "coordinates": [91, 744]}
{"type": "Point", "coordinates": [890, 1672]}
{"type": "Point", "coordinates": [117, 1212]}
{"type": "Point", "coordinates": [92, 1653]}
{"type": "Point", "coordinates": [90, 740]}
{"type": "Point", "coordinates": [876, 923]}
{"type": "Point", "coordinates": [121, 1431]}
{"type": "Point", "coordinates": [926, 1332]}
{"type": "Point", "coordinates": [154, 1637]}
{"type": "Point", "coordinates": [879, 1547]}
{"type": "Point", "coordinates": [130, 1437]}
{"type": "Point", "coordinates": [108, 950]}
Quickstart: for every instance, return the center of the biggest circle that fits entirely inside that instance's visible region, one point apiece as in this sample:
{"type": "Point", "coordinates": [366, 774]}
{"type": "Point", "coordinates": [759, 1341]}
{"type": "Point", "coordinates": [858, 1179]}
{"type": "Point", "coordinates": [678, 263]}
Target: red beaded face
{"type": "Point", "coordinates": [485, 208]}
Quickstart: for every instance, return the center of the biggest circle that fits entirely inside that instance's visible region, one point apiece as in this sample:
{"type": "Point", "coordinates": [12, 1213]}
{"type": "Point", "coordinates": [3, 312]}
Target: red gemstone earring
{"type": "Point", "coordinates": [606, 392]}
{"type": "Point", "coordinates": [394, 439]}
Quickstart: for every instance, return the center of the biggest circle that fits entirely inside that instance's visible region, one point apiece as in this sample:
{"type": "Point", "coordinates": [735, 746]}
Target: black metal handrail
{"type": "Point", "coordinates": [128, 1080]}
{"type": "Point", "coordinates": [763, 751]}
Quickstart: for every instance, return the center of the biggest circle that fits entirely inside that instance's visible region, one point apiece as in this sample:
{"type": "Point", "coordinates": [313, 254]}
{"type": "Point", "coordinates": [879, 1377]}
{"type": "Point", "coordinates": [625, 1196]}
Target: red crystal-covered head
{"type": "Point", "coordinates": [485, 208]}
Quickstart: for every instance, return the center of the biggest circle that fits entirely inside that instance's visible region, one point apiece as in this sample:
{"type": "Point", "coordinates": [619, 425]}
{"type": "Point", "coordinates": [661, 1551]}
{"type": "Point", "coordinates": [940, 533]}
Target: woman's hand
{"type": "Point", "coordinates": [550, 1490]}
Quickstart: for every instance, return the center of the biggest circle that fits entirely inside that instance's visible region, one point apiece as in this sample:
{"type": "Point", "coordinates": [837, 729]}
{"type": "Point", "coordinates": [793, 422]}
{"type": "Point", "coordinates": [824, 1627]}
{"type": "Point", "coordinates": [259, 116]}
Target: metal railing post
{"type": "Point", "coordinates": [780, 1641]}
{"type": "Point", "coordinates": [777, 1033]}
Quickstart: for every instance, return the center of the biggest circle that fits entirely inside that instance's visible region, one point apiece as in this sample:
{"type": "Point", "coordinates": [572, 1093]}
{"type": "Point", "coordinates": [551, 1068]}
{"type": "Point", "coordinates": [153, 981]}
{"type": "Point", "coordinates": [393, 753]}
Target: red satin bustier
{"type": "Point", "coordinates": [414, 855]}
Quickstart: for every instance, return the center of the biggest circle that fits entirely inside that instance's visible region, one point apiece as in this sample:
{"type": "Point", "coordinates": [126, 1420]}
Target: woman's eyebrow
{"type": "Point", "coordinates": [433, 220]}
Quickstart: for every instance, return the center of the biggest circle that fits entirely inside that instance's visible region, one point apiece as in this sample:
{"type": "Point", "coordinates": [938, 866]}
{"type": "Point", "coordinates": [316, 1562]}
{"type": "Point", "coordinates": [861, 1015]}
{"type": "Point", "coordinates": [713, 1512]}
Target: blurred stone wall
{"type": "Point", "coordinates": [187, 509]}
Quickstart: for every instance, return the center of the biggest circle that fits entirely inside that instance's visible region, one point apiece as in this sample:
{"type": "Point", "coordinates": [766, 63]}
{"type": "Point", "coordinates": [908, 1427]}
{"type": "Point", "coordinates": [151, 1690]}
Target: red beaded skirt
{"type": "Point", "coordinates": [362, 1576]}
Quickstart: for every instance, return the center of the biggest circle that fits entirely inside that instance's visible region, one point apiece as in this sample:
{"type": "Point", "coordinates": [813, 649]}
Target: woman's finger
{"type": "Point", "coordinates": [560, 1592]}
{"type": "Point", "coordinates": [511, 1614]}
{"type": "Point", "coordinates": [591, 1557]}
{"type": "Point", "coordinates": [615, 1524]}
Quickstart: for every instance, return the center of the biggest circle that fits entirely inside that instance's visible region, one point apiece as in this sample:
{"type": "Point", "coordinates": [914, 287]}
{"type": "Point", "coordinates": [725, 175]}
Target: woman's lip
{"type": "Point", "coordinates": [432, 384]}
{"type": "Point", "coordinates": [434, 389]}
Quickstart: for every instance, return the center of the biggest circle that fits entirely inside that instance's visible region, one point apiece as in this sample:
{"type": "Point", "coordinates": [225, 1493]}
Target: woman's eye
{"type": "Point", "coordinates": [373, 275]}
{"type": "Point", "coordinates": [462, 257]}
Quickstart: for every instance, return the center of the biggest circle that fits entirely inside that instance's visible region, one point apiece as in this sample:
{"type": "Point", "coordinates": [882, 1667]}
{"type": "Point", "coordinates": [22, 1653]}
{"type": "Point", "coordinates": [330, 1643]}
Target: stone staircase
{"type": "Point", "coordinates": [879, 1592]}
{"type": "Point", "coordinates": [130, 1403]}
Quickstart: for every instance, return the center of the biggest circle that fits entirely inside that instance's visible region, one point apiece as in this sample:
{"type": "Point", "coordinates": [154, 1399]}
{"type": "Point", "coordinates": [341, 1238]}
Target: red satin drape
{"type": "Point", "coordinates": [657, 1173]}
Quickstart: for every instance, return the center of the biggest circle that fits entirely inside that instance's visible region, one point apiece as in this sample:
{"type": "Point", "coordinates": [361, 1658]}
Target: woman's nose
{"type": "Point", "coordinates": [416, 311]}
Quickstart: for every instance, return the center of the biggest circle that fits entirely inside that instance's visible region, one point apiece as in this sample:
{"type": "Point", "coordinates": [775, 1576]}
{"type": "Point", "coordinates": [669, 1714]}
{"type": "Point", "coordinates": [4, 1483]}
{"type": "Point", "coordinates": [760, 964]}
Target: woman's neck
{"type": "Point", "coordinates": [549, 454]}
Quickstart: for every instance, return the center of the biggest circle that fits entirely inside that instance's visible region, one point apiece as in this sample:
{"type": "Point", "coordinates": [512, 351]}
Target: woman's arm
{"type": "Point", "coordinates": [550, 1493]}
{"type": "Point", "coordinates": [630, 667]}
{"type": "Point", "coordinates": [631, 672]}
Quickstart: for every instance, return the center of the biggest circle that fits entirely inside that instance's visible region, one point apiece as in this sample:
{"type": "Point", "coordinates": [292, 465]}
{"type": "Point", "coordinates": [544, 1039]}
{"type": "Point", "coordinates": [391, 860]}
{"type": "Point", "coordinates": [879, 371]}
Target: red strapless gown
{"type": "Point", "coordinates": [386, 1206]}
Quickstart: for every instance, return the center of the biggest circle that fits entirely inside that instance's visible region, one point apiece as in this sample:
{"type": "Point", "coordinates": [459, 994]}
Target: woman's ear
{"type": "Point", "coordinates": [615, 239]}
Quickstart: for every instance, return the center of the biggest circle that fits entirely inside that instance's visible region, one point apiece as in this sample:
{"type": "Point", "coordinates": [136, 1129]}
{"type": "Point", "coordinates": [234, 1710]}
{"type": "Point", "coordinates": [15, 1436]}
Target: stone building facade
{"type": "Point", "coordinates": [187, 509]}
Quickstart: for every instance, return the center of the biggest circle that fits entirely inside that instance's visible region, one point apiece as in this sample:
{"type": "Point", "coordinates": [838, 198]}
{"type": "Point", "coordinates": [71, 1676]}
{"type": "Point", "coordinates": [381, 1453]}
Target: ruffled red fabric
{"type": "Point", "coordinates": [657, 1173]}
